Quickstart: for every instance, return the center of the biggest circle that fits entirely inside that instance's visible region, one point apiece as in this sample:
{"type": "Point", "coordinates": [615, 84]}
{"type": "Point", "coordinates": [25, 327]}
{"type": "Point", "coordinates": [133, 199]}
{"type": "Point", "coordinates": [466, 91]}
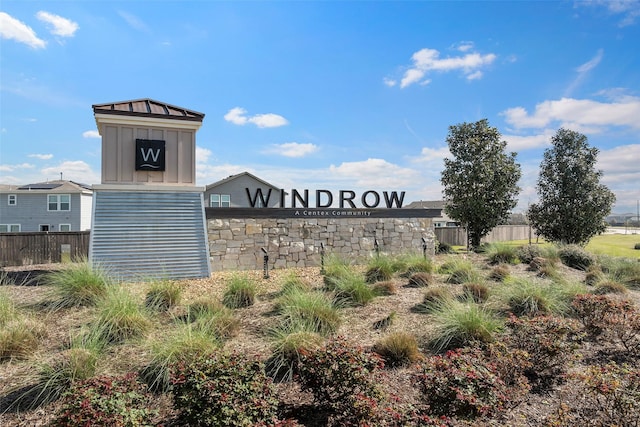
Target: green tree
{"type": "Point", "coordinates": [573, 203]}
{"type": "Point", "coordinates": [480, 183]}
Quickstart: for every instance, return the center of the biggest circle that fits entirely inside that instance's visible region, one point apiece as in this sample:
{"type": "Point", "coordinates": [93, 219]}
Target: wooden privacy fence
{"type": "Point", "coordinates": [457, 236]}
{"type": "Point", "coordinates": [43, 247]}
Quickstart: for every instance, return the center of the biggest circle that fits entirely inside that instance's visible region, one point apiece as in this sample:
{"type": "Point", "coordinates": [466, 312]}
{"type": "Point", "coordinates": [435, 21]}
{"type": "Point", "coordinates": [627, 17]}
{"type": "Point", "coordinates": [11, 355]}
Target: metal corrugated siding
{"type": "Point", "coordinates": [143, 235]}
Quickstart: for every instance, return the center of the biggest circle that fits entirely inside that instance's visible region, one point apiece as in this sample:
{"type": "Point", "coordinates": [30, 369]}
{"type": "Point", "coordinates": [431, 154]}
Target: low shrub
{"type": "Point", "coordinates": [443, 248]}
{"type": "Point", "coordinates": [618, 320]}
{"type": "Point", "coordinates": [20, 337]}
{"type": "Point", "coordinates": [461, 323]}
{"type": "Point", "coordinates": [527, 297]}
{"type": "Point", "coordinates": [414, 263]}
{"type": "Point", "coordinates": [314, 309]}
{"type": "Point", "coordinates": [336, 267]}
{"type": "Point", "coordinates": [420, 280]}
{"type": "Point", "coordinates": [623, 270]}
{"type": "Point", "coordinates": [56, 377]}
{"type": "Point", "coordinates": [461, 271]}
{"type": "Point", "coordinates": [163, 295]}
{"type": "Point", "coordinates": [461, 383]}
{"type": "Point", "coordinates": [106, 401]}
{"type": "Point", "coordinates": [120, 317]}
{"type": "Point", "coordinates": [478, 292]}
{"type": "Point", "coordinates": [292, 282]}
{"type": "Point", "coordinates": [636, 246]}
{"type": "Point", "coordinates": [240, 292]}
{"type": "Point", "coordinates": [183, 345]}
{"type": "Point", "coordinates": [526, 253]}
{"type": "Point", "coordinates": [593, 277]}
{"type": "Point", "coordinates": [79, 284]}
{"type": "Point", "coordinates": [398, 349]}
{"type": "Point", "coordinates": [379, 268]}
{"type": "Point", "coordinates": [289, 340]}
{"type": "Point", "coordinates": [610, 287]}
{"type": "Point", "coordinates": [343, 379]}
{"type": "Point", "coordinates": [575, 256]}
{"type": "Point", "coordinates": [385, 288]}
{"type": "Point", "coordinates": [8, 311]}
{"type": "Point", "coordinates": [551, 343]}
{"type": "Point", "coordinates": [204, 306]}
{"type": "Point", "coordinates": [607, 395]}
{"type": "Point", "coordinates": [502, 253]}
{"type": "Point", "coordinates": [351, 290]}
{"type": "Point", "coordinates": [223, 390]}
{"type": "Point", "coordinates": [499, 273]}
{"type": "Point", "coordinates": [433, 297]}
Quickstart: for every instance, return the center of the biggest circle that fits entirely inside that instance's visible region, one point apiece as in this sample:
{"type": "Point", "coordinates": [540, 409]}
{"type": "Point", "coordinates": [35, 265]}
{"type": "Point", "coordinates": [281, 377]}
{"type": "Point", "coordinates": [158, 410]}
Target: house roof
{"type": "Point", "coordinates": [58, 186]}
{"type": "Point", "coordinates": [426, 204]}
{"type": "Point", "coordinates": [236, 176]}
{"type": "Point", "coordinates": [147, 108]}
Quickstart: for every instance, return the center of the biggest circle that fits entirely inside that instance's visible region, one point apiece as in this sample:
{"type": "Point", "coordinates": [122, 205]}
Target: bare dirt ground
{"type": "Point", "coordinates": [357, 326]}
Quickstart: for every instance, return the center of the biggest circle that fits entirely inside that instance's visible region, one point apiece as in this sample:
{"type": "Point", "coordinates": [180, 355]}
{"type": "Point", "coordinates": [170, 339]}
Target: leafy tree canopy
{"type": "Point", "coordinates": [480, 182]}
{"type": "Point", "coordinates": [573, 203]}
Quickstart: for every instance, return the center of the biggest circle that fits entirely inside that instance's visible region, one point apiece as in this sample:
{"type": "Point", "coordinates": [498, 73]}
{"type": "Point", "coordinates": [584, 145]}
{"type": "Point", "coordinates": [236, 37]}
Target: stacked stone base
{"type": "Point", "coordinates": [238, 243]}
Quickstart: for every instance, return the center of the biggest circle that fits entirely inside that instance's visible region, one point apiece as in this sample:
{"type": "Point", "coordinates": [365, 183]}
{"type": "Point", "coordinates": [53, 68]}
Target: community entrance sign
{"type": "Point", "coordinates": [148, 216]}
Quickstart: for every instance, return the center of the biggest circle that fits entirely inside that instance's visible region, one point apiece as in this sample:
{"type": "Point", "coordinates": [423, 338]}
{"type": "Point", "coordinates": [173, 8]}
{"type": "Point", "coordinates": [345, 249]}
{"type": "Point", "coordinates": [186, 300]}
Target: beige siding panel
{"type": "Point", "coordinates": [171, 173]}
{"type": "Point", "coordinates": [187, 171]}
{"type": "Point", "coordinates": [127, 152]}
{"type": "Point", "coordinates": [110, 154]}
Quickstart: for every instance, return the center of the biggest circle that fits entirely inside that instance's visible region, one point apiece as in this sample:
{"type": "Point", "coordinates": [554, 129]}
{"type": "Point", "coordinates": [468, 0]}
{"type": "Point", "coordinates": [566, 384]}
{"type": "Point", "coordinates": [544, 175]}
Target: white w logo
{"type": "Point", "coordinates": [150, 153]}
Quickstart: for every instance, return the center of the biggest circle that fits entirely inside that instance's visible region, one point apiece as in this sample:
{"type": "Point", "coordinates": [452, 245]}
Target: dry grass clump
{"type": "Point", "coordinates": [478, 292]}
{"type": "Point", "coordinates": [398, 349]}
{"type": "Point", "coordinates": [420, 280]}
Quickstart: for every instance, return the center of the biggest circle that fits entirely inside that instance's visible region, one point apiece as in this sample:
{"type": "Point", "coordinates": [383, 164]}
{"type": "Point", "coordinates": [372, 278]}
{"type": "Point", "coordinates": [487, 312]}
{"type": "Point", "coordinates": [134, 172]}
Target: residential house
{"type": "Point", "coordinates": [242, 190]}
{"type": "Point", "coordinates": [438, 222]}
{"type": "Point", "coordinates": [45, 206]}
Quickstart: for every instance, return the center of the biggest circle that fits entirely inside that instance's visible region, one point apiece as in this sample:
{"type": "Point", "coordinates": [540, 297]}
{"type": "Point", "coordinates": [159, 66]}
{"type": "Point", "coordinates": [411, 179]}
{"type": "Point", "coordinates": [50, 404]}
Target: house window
{"type": "Point", "coordinates": [12, 199]}
{"type": "Point", "coordinates": [59, 202]}
{"type": "Point", "coordinates": [220, 201]}
{"type": "Point", "coordinates": [64, 227]}
{"type": "Point", "coordinates": [9, 228]}
{"type": "Point", "coordinates": [44, 227]}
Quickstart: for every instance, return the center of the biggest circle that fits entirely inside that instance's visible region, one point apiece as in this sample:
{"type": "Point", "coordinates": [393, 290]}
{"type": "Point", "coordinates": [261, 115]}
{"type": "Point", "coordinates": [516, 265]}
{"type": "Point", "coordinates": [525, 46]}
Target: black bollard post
{"type": "Point", "coordinates": [266, 264]}
{"type": "Point", "coordinates": [321, 258]}
{"type": "Point", "coordinates": [376, 247]}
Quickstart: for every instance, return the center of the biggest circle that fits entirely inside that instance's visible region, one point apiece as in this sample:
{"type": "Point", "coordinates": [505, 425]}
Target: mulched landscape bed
{"type": "Point", "coordinates": [358, 327]}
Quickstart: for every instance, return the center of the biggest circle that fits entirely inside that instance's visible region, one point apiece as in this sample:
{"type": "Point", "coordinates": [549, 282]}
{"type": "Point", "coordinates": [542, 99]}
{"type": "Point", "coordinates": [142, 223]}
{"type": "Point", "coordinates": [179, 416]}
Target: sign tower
{"type": "Point", "coordinates": [148, 214]}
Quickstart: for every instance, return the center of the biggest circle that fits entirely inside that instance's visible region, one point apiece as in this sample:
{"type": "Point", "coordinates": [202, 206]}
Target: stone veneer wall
{"type": "Point", "coordinates": [236, 244]}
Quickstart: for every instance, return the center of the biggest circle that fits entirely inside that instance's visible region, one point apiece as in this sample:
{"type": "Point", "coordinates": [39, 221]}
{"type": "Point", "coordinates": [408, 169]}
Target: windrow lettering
{"type": "Point", "coordinates": [325, 199]}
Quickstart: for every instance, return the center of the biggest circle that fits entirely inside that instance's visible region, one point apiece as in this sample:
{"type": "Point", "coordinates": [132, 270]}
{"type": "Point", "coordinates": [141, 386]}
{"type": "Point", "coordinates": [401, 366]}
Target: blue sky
{"type": "Point", "coordinates": [326, 94]}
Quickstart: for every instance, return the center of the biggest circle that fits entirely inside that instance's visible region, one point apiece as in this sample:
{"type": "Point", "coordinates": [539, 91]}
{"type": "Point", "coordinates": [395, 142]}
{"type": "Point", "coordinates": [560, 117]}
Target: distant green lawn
{"type": "Point", "coordinates": [619, 245]}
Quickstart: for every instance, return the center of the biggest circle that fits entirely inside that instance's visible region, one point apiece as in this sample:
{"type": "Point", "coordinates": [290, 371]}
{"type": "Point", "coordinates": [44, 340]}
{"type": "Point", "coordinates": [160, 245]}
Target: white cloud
{"type": "Point", "coordinates": [13, 29]}
{"type": "Point", "coordinates": [375, 173]}
{"type": "Point", "coordinates": [389, 82]}
{"type": "Point", "coordinates": [464, 46]}
{"type": "Point", "coordinates": [430, 155]}
{"type": "Point", "coordinates": [72, 170]}
{"type": "Point", "coordinates": [238, 116]}
{"type": "Point", "coordinates": [620, 160]}
{"type": "Point", "coordinates": [583, 71]}
{"type": "Point", "coordinates": [91, 134]}
{"type": "Point", "coordinates": [12, 168]}
{"type": "Point", "coordinates": [519, 142]}
{"type": "Point", "coordinates": [630, 9]}
{"type": "Point", "coordinates": [426, 60]}
{"type": "Point", "coordinates": [41, 156]}
{"type": "Point", "coordinates": [60, 26]}
{"type": "Point", "coordinates": [133, 21]}
{"type": "Point", "coordinates": [202, 154]}
{"type": "Point", "coordinates": [577, 114]}
{"type": "Point", "coordinates": [293, 149]}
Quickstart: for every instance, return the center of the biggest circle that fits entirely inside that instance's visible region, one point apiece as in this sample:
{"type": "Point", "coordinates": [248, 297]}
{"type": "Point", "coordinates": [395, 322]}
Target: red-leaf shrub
{"type": "Point", "coordinates": [223, 390]}
{"type": "Point", "coordinates": [461, 383]}
{"type": "Point", "coordinates": [551, 343]}
{"type": "Point", "coordinates": [106, 401]}
{"type": "Point", "coordinates": [343, 380]}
